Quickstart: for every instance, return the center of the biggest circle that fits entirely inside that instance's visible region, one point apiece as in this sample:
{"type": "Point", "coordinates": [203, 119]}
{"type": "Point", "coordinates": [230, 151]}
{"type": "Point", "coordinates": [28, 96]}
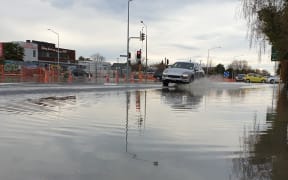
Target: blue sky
{"type": "Point", "coordinates": [177, 30]}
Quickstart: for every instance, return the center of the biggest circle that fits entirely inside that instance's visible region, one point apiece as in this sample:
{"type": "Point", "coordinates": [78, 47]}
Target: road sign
{"type": "Point", "coordinates": [226, 74]}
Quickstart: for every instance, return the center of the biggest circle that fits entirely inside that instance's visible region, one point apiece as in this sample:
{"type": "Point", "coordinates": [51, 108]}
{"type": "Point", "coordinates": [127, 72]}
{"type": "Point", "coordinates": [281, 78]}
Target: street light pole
{"type": "Point", "coordinates": [207, 62]}
{"type": "Point", "coordinates": [208, 57]}
{"type": "Point", "coordinates": [127, 67]}
{"type": "Point", "coordinates": [57, 45]}
{"type": "Point", "coordinates": [146, 50]}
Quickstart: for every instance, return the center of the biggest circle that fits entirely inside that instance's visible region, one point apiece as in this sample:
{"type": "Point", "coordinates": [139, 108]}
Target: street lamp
{"type": "Point", "coordinates": [127, 68]}
{"type": "Point", "coordinates": [146, 50]}
{"type": "Point", "coordinates": [208, 56]}
{"type": "Point", "coordinates": [57, 45]}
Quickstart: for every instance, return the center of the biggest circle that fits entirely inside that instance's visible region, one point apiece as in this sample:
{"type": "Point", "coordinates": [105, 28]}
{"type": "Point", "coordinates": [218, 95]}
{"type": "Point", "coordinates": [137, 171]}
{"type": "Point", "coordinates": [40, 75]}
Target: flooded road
{"type": "Point", "coordinates": [205, 131]}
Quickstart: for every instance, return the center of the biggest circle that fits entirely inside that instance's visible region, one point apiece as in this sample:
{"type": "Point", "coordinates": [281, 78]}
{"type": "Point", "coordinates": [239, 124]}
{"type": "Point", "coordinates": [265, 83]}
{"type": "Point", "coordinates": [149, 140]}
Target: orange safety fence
{"type": "Point", "coordinates": [35, 74]}
{"type": "Point", "coordinates": [9, 72]}
{"type": "Point", "coordinates": [50, 75]}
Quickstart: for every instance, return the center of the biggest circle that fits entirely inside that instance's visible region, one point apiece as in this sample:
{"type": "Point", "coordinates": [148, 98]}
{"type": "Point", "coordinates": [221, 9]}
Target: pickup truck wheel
{"type": "Point", "coordinates": [165, 83]}
{"type": "Point", "coordinates": [191, 79]}
{"type": "Point", "coordinates": [272, 81]}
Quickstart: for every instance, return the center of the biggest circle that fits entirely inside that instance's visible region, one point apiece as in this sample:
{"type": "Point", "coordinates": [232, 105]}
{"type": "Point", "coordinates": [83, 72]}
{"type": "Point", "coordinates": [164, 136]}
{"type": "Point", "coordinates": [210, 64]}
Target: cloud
{"type": "Point", "coordinates": [184, 47]}
{"type": "Point", "coordinates": [61, 3]}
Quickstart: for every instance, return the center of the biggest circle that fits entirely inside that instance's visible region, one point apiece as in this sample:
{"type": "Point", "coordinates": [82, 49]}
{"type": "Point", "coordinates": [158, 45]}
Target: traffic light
{"type": "Point", "coordinates": [138, 55]}
{"type": "Point", "coordinates": [142, 36]}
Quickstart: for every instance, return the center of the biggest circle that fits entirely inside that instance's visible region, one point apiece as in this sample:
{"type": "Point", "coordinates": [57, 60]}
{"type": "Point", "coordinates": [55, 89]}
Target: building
{"type": "Point", "coordinates": [96, 68]}
{"type": "Point", "coordinates": [47, 52]}
{"type": "Point", "coordinates": [120, 68]}
{"type": "Point", "coordinates": [30, 51]}
{"type": "Point", "coordinates": [43, 52]}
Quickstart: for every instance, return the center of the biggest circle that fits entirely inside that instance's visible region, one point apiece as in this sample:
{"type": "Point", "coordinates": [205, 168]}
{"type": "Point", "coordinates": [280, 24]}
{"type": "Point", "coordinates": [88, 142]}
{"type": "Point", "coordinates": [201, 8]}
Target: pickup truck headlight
{"type": "Point", "coordinates": [185, 76]}
{"type": "Point", "coordinates": [164, 74]}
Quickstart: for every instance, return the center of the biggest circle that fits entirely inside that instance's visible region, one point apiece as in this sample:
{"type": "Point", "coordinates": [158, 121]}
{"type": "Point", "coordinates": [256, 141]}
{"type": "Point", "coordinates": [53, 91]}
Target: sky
{"type": "Point", "coordinates": [176, 30]}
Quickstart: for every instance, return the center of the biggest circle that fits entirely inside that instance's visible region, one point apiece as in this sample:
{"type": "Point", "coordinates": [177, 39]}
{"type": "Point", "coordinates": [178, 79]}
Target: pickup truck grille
{"type": "Point", "coordinates": [174, 76]}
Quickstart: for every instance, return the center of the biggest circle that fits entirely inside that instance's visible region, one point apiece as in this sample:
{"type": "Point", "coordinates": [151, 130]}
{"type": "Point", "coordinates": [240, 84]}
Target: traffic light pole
{"type": "Point", "coordinates": [127, 67]}
{"type": "Point", "coordinates": [146, 51]}
{"type": "Point", "coordinates": [146, 58]}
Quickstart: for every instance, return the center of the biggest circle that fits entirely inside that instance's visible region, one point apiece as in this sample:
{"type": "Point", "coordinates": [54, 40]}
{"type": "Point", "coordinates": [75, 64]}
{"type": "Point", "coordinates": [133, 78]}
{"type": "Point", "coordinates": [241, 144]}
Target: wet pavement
{"type": "Point", "coordinates": [204, 131]}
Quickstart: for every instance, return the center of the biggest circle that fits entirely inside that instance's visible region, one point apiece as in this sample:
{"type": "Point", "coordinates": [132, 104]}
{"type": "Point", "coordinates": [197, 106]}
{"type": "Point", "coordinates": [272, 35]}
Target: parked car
{"type": "Point", "coordinates": [79, 73]}
{"type": "Point", "coordinates": [273, 79]}
{"type": "Point", "coordinates": [253, 77]}
{"type": "Point", "coordinates": [239, 77]}
{"type": "Point", "coordinates": [182, 72]}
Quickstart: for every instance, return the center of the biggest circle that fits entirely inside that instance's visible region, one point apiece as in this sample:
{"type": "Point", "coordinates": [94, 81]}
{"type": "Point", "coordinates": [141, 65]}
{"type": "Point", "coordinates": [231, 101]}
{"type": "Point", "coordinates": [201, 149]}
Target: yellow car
{"type": "Point", "coordinates": [253, 77]}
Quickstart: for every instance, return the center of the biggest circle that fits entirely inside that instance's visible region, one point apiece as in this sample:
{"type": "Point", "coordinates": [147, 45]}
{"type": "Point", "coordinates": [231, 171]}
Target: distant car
{"type": "Point", "coordinates": [158, 74]}
{"type": "Point", "coordinates": [181, 73]}
{"type": "Point", "coordinates": [273, 79]}
{"type": "Point", "coordinates": [239, 77]}
{"type": "Point", "coordinates": [80, 73]}
{"type": "Point", "coordinates": [253, 77]}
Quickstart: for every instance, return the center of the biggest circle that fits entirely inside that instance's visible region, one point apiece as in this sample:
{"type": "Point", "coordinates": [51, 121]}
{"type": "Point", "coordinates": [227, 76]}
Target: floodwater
{"type": "Point", "coordinates": [138, 132]}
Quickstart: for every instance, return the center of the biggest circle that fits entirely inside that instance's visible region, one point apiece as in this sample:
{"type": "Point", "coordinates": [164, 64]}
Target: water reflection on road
{"type": "Point", "coordinates": [181, 99]}
{"type": "Point", "coordinates": [264, 152]}
{"type": "Point", "coordinates": [217, 131]}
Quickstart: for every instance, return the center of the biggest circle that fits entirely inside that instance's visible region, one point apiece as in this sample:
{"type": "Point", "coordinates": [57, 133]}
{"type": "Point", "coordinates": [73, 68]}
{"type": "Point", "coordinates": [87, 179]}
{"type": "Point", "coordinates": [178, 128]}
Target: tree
{"type": "Point", "coordinates": [220, 69]}
{"type": "Point", "coordinates": [239, 66]}
{"type": "Point", "coordinates": [13, 51]}
{"type": "Point", "coordinates": [98, 58]}
{"type": "Point", "coordinates": [265, 72]}
{"type": "Point", "coordinates": [81, 58]}
{"type": "Point", "coordinates": [267, 20]}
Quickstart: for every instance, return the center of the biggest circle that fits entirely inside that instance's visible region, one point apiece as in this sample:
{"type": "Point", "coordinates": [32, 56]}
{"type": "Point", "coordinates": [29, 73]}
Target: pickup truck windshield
{"type": "Point", "coordinates": [183, 65]}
